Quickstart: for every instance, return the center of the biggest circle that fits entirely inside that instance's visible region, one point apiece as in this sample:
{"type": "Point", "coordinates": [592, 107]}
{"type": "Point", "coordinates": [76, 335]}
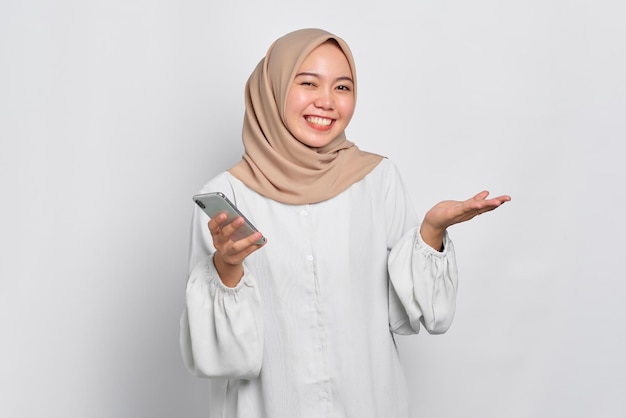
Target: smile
{"type": "Point", "coordinates": [316, 120]}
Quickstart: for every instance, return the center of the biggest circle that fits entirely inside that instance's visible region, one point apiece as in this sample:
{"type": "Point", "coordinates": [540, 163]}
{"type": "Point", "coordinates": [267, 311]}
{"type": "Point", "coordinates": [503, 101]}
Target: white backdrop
{"type": "Point", "coordinates": [114, 112]}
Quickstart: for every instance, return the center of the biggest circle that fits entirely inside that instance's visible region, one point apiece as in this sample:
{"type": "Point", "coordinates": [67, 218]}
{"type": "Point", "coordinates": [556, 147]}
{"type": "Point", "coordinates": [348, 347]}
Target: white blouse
{"type": "Point", "coordinates": [307, 333]}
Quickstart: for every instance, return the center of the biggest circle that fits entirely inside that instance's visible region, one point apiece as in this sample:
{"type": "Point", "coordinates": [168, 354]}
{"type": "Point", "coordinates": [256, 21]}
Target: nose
{"type": "Point", "coordinates": [325, 100]}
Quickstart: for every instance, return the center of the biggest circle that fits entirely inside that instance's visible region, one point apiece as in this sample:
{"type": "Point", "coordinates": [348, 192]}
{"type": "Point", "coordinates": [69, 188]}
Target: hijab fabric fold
{"type": "Point", "coordinates": [277, 165]}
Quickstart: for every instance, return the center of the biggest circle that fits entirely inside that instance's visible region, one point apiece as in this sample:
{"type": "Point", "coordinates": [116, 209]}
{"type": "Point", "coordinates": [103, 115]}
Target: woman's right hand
{"type": "Point", "coordinates": [229, 254]}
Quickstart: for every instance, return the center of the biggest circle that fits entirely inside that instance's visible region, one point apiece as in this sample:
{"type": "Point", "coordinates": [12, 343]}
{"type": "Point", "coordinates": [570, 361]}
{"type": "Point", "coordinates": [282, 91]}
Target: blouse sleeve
{"type": "Point", "coordinates": [423, 281]}
{"type": "Point", "coordinates": [221, 330]}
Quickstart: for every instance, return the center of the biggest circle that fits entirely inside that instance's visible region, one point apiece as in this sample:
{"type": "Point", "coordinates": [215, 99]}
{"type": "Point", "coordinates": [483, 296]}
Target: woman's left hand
{"type": "Point", "coordinates": [449, 212]}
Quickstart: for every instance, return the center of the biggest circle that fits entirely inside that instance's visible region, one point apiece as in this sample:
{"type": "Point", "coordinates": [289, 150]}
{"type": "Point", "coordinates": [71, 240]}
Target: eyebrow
{"type": "Point", "coordinates": [342, 78]}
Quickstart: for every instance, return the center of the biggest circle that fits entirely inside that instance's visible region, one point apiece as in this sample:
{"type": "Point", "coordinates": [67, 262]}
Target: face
{"type": "Point", "coordinates": [320, 102]}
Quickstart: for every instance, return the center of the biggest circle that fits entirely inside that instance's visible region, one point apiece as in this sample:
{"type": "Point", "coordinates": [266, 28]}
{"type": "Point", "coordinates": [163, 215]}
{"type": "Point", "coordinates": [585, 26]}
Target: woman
{"type": "Point", "coordinates": [302, 326]}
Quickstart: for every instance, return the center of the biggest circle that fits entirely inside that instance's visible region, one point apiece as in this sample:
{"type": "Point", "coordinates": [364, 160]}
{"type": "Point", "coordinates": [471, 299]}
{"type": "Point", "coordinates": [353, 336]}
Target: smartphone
{"type": "Point", "coordinates": [214, 203]}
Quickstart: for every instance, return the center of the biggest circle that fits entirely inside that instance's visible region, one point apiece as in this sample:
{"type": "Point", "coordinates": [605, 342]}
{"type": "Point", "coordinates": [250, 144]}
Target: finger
{"type": "Point", "coordinates": [236, 252]}
{"type": "Point", "coordinates": [241, 255]}
{"type": "Point", "coordinates": [250, 240]}
{"type": "Point", "coordinates": [216, 222]}
{"type": "Point", "coordinates": [479, 201]}
{"type": "Point", "coordinates": [491, 204]}
{"type": "Point", "coordinates": [504, 198]}
{"type": "Point", "coordinates": [487, 205]}
{"type": "Point", "coordinates": [254, 238]}
{"type": "Point", "coordinates": [481, 196]}
{"type": "Point", "coordinates": [501, 199]}
{"type": "Point", "coordinates": [497, 201]}
{"type": "Point", "coordinates": [229, 230]}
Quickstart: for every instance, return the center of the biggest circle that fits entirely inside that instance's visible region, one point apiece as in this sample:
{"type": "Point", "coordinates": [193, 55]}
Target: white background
{"type": "Point", "coordinates": [114, 112]}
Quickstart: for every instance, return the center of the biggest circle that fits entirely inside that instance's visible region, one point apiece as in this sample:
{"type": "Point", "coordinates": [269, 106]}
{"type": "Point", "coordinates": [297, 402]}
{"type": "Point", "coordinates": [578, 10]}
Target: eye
{"type": "Point", "coordinates": [343, 87]}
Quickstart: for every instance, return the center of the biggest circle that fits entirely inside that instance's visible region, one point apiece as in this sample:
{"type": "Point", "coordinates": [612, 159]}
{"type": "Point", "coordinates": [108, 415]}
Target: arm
{"type": "Point", "coordinates": [422, 262]}
{"type": "Point", "coordinates": [425, 282]}
{"type": "Point", "coordinates": [422, 265]}
{"type": "Point", "coordinates": [422, 280]}
{"type": "Point", "coordinates": [221, 329]}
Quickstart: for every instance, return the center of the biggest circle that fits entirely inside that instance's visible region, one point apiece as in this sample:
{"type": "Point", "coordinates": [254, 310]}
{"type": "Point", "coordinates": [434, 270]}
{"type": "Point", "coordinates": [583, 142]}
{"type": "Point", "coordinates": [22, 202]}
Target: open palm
{"type": "Point", "coordinates": [450, 212]}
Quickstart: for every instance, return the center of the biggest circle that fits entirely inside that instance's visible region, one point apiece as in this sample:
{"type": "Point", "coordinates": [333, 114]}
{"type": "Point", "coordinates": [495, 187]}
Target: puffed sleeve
{"type": "Point", "coordinates": [221, 328]}
{"type": "Point", "coordinates": [425, 282]}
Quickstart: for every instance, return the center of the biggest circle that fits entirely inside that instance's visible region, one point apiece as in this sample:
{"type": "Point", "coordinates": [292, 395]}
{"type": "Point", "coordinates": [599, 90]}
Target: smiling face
{"type": "Point", "coordinates": [320, 102]}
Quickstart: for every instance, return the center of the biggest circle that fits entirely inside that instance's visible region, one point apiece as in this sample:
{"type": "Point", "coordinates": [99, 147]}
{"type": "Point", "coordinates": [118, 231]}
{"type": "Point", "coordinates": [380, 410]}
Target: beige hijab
{"type": "Point", "coordinates": [277, 165]}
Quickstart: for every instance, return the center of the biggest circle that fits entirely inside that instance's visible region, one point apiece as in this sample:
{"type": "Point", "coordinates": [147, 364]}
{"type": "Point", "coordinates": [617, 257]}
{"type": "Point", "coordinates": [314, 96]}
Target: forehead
{"type": "Point", "coordinates": [327, 56]}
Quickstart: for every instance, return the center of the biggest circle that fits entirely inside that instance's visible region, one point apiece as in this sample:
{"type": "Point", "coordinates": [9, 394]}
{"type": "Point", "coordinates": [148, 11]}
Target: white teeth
{"type": "Point", "coordinates": [319, 121]}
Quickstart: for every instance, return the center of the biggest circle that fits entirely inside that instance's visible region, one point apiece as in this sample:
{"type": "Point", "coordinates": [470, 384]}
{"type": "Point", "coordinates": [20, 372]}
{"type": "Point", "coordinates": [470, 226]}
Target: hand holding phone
{"type": "Point", "coordinates": [214, 203]}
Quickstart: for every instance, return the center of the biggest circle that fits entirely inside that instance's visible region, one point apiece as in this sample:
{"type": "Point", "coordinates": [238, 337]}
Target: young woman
{"type": "Point", "coordinates": [302, 326]}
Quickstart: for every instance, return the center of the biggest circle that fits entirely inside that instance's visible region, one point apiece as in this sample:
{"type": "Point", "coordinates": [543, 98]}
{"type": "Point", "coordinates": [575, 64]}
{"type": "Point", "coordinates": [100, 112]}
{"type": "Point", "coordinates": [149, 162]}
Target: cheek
{"type": "Point", "coordinates": [346, 108]}
{"type": "Point", "coordinates": [291, 117]}
{"type": "Point", "coordinates": [295, 102]}
{"type": "Point", "coordinates": [292, 105]}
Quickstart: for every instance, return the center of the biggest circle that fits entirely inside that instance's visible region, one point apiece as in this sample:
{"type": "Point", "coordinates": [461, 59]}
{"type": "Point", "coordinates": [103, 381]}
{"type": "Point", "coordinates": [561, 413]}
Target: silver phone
{"type": "Point", "coordinates": [214, 203]}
